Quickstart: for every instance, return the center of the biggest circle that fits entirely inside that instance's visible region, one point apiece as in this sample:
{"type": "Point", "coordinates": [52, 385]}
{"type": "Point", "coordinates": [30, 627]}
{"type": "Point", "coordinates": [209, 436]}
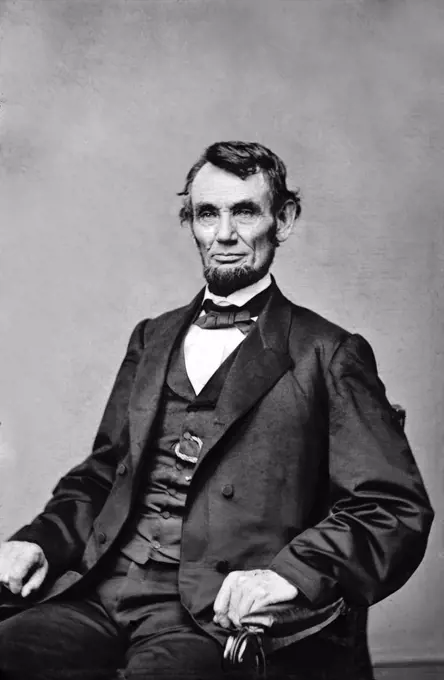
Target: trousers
{"type": "Point", "coordinates": [132, 621]}
{"type": "Point", "coordinates": [132, 626]}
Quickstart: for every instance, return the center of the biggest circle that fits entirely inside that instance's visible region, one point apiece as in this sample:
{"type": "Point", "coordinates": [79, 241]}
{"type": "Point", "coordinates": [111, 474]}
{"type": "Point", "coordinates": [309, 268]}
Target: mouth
{"type": "Point", "coordinates": [228, 258]}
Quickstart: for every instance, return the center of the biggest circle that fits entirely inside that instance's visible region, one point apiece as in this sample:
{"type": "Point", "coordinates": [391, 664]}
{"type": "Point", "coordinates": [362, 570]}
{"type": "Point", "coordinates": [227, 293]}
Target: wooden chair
{"type": "Point", "coordinates": [247, 647]}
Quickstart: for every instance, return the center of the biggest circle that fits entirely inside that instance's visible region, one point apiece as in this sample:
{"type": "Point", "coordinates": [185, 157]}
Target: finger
{"type": "Point", "coordinates": [5, 567]}
{"type": "Point", "coordinates": [222, 601]}
{"type": "Point", "coordinates": [35, 581]}
{"type": "Point", "coordinates": [252, 594]}
{"type": "Point", "coordinates": [242, 589]}
{"type": "Point", "coordinates": [7, 559]}
{"type": "Point", "coordinates": [14, 580]}
{"type": "Point", "coordinates": [18, 572]}
{"type": "Point", "coordinates": [255, 605]}
{"type": "Point", "coordinates": [257, 597]}
{"type": "Point", "coordinates": [242, 607]}
{"type": "Point", "coordinates": [222, 620]}
{"type": "Point", "coordinates": [221, 615]}
{"type": "Point", "coordinates": [14, 583]}
{"type": "Point", "coordinates": [3, 577]}
{"type": "Point", "coordinates": [259, 603]}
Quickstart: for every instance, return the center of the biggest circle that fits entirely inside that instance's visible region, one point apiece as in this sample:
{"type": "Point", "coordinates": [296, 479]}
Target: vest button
{"type": "Point", "coordinates": [121, 469]}
{"type": "Point", "coordinates": [228, 491]}
{"type": "Point", "coordinates": [101, 537]}
{"type": "Point", "coordinates": [222, 566]}
{"type": "Point", "coordinates": [166, 514]}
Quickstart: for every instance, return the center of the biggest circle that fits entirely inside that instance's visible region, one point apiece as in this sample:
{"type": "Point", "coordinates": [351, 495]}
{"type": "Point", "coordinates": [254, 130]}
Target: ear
{"type": "Point", "coordinates": [285, 220]}
{"type": "Point", "coordinates": [186, 213]}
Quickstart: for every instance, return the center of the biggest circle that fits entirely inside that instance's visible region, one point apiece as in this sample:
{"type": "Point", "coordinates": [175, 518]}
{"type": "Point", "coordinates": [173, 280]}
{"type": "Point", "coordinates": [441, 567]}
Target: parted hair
{"type": "Point", "coordinates": [243, 159]}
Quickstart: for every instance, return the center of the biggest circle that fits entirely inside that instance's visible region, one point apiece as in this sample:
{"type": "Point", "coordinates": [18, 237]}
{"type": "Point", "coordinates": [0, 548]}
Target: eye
{"type": "Point", "coordinates": [206, 212]}
{"type": "Point", "coordinates": [246, 214]}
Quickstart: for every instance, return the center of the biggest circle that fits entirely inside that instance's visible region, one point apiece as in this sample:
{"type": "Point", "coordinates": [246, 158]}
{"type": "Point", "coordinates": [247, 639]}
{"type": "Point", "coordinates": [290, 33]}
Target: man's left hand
{"type": "Point", "coordinates": [243, 592]}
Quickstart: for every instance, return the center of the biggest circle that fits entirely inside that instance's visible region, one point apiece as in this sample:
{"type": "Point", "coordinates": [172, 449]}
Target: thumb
{"type": "Point", "coordinates": [223, 596]}
{"type": "Point", "coordinates": [36, 580]}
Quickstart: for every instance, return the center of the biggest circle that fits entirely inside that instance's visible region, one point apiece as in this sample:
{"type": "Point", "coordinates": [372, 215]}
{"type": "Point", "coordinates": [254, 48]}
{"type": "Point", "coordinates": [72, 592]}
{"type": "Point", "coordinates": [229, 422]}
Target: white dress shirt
{"type": "Point", "coordinates": [206, 349]}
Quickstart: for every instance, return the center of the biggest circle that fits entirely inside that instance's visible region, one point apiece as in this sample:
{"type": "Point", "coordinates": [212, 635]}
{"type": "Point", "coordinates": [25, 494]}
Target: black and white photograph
{"type": "Point", "coordinates": [222, 339]}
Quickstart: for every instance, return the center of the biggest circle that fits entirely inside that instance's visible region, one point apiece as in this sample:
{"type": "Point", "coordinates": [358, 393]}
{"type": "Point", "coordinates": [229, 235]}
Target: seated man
{"type": "Point", "coordinates": [247, 455]}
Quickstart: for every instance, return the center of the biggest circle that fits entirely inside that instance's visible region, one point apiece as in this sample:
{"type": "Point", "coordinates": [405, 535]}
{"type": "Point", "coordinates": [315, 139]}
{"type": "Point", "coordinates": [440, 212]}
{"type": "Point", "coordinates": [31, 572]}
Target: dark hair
{"type": "Point", "coordinates": [243, 159]}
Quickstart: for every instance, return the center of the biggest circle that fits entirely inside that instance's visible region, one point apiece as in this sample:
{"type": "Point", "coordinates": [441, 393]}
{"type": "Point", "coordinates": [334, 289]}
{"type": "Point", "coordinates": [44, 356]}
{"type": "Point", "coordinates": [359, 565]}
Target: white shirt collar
{"type": "Point", "coordinates": [243, 295]}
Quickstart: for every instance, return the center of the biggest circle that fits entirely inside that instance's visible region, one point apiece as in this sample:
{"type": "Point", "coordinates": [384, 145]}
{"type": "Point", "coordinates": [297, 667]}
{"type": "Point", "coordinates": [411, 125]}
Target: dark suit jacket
{"type": "Point", "coordinates": [325, 488]}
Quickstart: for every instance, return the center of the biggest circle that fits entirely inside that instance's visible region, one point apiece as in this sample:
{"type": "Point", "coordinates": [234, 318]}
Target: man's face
{"type": "Point", "coordinates": [233, 227]}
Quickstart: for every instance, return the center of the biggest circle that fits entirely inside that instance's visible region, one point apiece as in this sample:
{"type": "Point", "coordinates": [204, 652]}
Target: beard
{"type": "Point", "coordinates": [224, 281]}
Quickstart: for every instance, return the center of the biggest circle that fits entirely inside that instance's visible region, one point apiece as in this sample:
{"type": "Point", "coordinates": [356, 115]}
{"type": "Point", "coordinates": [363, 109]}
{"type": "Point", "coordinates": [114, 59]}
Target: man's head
{"type": "Point", "coordinates": [239, 208]}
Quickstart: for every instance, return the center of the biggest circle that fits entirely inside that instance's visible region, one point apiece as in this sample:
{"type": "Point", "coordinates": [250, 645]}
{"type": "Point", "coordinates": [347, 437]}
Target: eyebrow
{"type": "Point", "coordinates": [239, 205]}
{"type": "Point", "coordinates": [202, 207]}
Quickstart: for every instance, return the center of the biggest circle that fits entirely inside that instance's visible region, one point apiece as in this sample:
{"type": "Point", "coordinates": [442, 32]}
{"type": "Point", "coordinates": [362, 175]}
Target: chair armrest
{"type": "Point", "coordinates": [245, 647]}
{"type": "Point", "coordinates": [293, 618]}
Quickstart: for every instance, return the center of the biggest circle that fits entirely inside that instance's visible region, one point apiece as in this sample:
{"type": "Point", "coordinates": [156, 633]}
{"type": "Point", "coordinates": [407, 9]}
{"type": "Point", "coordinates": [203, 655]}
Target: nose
{"type": "Point", "coordinates": [226, 229]}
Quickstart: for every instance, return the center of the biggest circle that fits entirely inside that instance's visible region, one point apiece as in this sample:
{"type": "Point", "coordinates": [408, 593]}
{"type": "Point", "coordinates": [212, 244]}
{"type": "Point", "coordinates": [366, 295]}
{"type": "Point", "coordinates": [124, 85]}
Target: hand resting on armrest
{"type": "Point", "coordinates": [23, 567]}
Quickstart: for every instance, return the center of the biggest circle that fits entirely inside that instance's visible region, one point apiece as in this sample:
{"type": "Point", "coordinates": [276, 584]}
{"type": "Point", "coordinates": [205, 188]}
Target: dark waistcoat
{"type": "Point", "coordinates": [184, 421]}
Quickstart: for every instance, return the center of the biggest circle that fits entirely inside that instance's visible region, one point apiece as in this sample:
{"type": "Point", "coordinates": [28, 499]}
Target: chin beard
{"type": "Point", "coordinates": [223, 282]}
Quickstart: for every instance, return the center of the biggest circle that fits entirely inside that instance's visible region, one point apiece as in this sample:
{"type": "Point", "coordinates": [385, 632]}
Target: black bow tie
{"type": "Point", "coordinates": [231, 316]}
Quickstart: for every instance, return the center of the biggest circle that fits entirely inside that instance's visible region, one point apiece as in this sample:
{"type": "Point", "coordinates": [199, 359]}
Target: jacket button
{"type": "Point", "coordinates": [222, 567]}
{"type": "Point", "coordinates": [101, 537]}
{"type": "Point", "coordinates": [121, 469]}
{"type": "Point", "coordinates": [228, 491]}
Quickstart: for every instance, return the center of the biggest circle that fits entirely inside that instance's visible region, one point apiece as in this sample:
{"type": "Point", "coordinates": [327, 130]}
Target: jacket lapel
{"type": "Point", "coordinates": [262, 360]}
{"type": "Point", "coordinates": [151, 373]}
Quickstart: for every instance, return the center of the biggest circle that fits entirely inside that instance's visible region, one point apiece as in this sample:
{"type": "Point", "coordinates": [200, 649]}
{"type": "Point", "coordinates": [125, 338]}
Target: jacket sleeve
{"type": "Point", "coordinates": [63, 528]}
{"type": "Point", "coordinates": [375, 535]}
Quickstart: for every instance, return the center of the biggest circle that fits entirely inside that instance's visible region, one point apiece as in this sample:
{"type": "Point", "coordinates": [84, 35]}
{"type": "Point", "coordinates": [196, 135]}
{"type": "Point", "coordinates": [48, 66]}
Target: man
{"type": "Point", "coordinates": [247, 455]}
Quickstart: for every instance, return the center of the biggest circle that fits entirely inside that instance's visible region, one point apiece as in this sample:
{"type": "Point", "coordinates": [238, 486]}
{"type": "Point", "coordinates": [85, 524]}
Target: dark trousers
{"type": "Point", "coordinates": [133, 626]}
{"type": "Point", "coordinates": [134, 621]}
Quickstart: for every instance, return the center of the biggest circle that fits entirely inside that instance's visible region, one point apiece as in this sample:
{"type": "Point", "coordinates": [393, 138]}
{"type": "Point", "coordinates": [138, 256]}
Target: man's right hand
{"type": "Point", "coordinates": [23, 566]}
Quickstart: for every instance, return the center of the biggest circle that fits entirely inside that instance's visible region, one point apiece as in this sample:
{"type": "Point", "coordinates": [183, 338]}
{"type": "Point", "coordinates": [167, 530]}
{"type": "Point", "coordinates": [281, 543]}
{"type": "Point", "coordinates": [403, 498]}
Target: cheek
{"type": "Point", "coordinates": [203, 238]}
{"type": "Point", "coordinates": [261, 244]}
{"type": "Point", "coordinates": [260, 240]}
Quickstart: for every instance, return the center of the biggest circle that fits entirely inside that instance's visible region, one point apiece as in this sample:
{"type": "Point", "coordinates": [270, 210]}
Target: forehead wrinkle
{"type": "Point", "coordinates": [214, 186]}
